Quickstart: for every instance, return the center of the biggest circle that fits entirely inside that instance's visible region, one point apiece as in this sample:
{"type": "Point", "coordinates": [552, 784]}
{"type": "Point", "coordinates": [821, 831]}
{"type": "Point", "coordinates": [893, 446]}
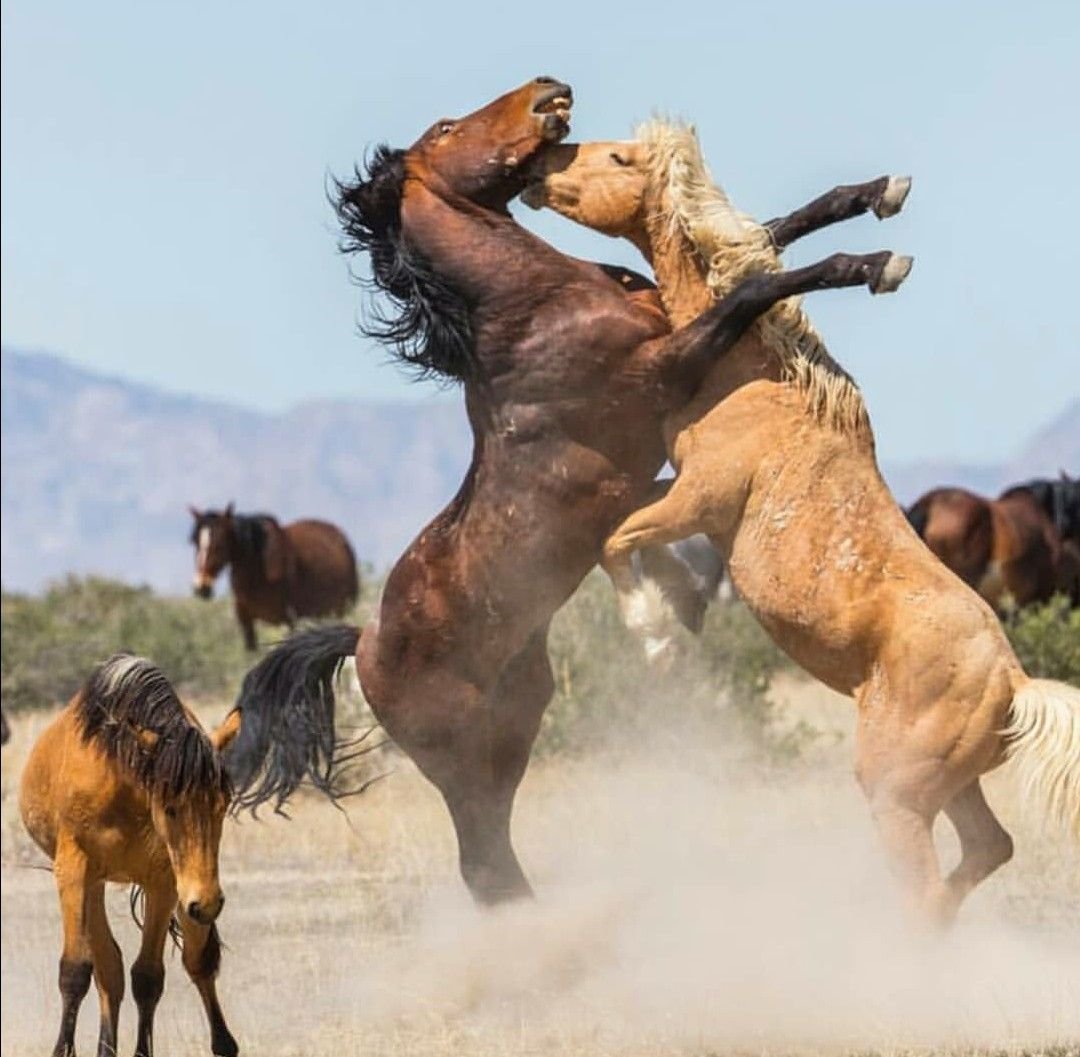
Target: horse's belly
{"type": "Point", "coordinates": [811, 611]}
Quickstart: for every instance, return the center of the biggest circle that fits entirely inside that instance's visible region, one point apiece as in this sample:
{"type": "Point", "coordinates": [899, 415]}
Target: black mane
{"type": "Point", "coordinates": [126, 694]}
{"type": "Point", "coordinates": [1059, 498]}
{"type": "Point", "coordinates": [249, 534]}
{"type": "Point", "coordinates": [428, 324]}
{"type": "Point", "coordinates": [249, 531]}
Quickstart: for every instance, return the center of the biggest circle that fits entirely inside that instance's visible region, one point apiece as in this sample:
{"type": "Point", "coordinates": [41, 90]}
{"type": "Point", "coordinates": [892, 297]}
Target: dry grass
{"type": "Point", "coordinates": [689, 904]}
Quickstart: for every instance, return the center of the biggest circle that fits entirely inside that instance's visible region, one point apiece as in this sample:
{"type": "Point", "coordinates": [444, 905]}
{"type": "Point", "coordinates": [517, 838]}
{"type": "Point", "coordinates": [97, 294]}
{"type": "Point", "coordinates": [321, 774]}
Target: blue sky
{"type": "Point", "coordinates": [164, 167]}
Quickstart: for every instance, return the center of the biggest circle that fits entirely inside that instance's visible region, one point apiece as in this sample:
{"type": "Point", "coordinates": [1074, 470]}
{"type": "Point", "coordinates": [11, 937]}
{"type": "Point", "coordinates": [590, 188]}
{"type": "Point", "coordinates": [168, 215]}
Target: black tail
{"type": "Point", "coordinates": [287, 733]}
{"type": "Point", "coordinates": [919, 514]}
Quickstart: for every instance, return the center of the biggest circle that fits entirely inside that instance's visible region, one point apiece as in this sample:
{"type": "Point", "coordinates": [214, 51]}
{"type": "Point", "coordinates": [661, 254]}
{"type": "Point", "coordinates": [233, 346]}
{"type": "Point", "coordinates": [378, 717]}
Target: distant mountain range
{"type": "Point", "coordinates": [97, 472]}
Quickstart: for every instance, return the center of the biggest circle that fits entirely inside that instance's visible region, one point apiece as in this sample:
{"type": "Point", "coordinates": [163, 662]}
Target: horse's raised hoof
{"type": "Point", "coordinates": [896, 270]}
{"type": "Point", "coordinates": [893, 198]}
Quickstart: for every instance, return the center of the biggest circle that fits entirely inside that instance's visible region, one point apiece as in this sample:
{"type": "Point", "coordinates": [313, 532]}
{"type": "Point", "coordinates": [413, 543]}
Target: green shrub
{"type": "Point", "coordinates": [603, 685]}
{"type": "Point", "coordinates": [1047, 639]}
{"type": "Point", "coordinates": [51, 641]}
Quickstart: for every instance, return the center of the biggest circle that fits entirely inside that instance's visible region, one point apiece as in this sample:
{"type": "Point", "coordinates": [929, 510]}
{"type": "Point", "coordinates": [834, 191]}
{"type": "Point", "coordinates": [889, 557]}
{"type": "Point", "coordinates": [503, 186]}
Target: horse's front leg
{"type": "Point", "coordinates": [70, 869]}
{"type": "Point", "coordinates": [108, 968]}
{"type": "Point", "coordinates": [148, 969]}
{"type": "Point", "coordinates": [680, 361]}
{"type": "Point", "coordinates": [884, 197]}
{"type": "Point", "coordinates": [677, 513]}
{"type": "Point", "coordinates": [202, 959]}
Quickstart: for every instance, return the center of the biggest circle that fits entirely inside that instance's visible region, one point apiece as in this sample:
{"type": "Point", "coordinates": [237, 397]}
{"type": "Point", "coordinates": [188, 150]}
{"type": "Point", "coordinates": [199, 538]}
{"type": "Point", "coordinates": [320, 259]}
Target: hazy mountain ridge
{"type": "Point", "coordinates": [97, 471]}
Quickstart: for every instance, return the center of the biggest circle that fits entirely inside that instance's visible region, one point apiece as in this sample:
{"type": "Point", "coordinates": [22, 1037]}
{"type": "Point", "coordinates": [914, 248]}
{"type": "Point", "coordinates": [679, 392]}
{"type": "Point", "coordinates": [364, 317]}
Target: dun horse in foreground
{"type": "Point", "coordinates": [569, 370]}
{"type": "Point", "coordinates": [775, 463]}
{"type": "Point", "coordinates": [278, 573]}
{"type": "Point", "coordinates": [1025, 544]}
{"type": "Point", "coordinates": [126, 786]}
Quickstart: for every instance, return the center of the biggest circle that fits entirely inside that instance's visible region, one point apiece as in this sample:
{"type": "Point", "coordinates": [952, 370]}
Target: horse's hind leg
{"type": "Point", "coordinates": [148, 969]}
{"type": "Point", "coordinates": [905, 797]}
{"type": "Point", "coordinates": [984, 843]}
{"type": "Point", "coordinates": [108, 969]}
{"type": "Point", "coordinates": [76, 964]}
{"type": "Point", "coordinates": [202, 959]}
{"type": "Point", "coordinates": [474, 748]}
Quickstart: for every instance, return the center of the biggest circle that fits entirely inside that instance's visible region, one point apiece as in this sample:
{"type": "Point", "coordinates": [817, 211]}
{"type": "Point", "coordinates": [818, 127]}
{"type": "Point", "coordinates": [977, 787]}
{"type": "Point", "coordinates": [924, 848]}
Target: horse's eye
{"type": "Point", "coordinates": [446, 128]}
{"type": "Point", "coordinates": [618, 159]}
{"type": "Point", "coordinates": [170, 812]}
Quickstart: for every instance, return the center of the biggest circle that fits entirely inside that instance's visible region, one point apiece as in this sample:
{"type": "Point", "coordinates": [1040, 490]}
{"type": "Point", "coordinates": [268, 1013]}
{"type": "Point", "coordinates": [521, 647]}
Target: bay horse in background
{"type": "Point", "coordinates": [125, 785]}
{"type": "Point", "coordinates": [568, 369]}
{"type": "Point", "coordinates": [1024, 545]}
{"type": "Point", "coordinates": [278, 573]}
{"type": "Point", "coordinates": [774, 460]}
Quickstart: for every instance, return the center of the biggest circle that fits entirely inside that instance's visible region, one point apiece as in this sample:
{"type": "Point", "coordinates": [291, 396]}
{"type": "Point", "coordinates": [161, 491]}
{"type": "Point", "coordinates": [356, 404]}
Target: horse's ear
{"type": "Point", "coordinates": [195, 512]}
{"type": "Point", "coordinates": [229, 728]}
{"type": "Point", "coordinates": [230, 509]}
{"type": "Point", "coordinates": [273, 552]}
{"type": "Point", "coordinates": [148, 739]}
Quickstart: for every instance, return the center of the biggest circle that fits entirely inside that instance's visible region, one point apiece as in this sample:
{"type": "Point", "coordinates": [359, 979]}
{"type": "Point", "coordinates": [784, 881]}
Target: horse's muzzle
{"type": "Point", "coordinates": [205, 913]}
{"type": "Point", "coordinates": [553, 104]}
{"type": "Point", "coordinates": [203, 590]}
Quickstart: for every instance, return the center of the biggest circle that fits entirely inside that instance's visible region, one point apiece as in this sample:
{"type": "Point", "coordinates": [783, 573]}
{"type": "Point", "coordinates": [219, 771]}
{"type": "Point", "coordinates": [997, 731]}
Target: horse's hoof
{"type": "Point", "coordinates": [893, 274]}
{"type": "Point", "coordinates": [893, 198]}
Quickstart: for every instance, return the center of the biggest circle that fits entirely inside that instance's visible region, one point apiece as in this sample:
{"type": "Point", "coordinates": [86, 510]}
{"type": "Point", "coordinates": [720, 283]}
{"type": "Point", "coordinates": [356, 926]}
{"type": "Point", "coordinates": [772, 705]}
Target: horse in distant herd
{"type": "Point", "coordinates": [278, 573]}
{"type": "Point", "coordinates": [774, 460]}
{"type": "Point", "coordinates": [569, 370]}
{"type": "Point", "coordinates": [1023, 546]}
{"type": "Point", "coordinates": [125, 785]}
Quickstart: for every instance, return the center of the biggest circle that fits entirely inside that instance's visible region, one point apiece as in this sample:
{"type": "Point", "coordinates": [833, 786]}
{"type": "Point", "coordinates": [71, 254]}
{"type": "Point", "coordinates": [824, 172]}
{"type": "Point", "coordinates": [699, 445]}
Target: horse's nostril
{"type": "Point", "coordinates": [193, 910]}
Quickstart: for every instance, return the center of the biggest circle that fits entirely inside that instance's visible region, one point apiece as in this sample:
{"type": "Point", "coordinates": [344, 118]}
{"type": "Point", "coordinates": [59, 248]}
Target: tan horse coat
{"type": "Point", "coordinates": [99, 822]}
{"type": "Point", "coordinates": [775, 462]}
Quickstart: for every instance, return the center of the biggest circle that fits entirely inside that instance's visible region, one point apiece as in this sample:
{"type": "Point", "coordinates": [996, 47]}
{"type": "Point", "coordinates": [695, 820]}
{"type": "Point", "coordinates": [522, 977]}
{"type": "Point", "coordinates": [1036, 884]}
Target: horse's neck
{"type": "Point", "coordinates": [680, 278]}
{"type": "Point", "coordinates": [483, 253]}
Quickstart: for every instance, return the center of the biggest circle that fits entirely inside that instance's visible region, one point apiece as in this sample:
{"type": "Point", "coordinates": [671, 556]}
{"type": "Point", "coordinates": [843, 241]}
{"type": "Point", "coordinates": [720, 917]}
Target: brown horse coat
{"type": "Point", "coordinates": [278, 573]}
{"type": "Point", "coordinates": [1005, 547]}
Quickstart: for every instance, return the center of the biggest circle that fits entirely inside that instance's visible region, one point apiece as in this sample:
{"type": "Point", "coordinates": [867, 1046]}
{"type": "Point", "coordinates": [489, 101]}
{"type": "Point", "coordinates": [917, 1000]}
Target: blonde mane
{"type": "Point", "coordinates": [730, 245]}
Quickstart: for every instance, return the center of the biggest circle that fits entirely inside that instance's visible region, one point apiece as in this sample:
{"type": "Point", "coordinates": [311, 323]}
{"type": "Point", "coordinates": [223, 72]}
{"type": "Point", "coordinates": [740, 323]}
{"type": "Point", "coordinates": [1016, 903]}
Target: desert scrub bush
{"type": "Point", "coordinates": [1047, 639]}
{"type": "Point", "coordinates": [51, 641]}
{"type": "Point", "coordinates": [603, 684]}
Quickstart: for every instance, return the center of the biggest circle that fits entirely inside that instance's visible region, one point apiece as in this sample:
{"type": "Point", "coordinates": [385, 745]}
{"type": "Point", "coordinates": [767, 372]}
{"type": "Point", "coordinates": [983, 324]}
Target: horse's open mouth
{"type": "Point", "coordinates": [554, 106]}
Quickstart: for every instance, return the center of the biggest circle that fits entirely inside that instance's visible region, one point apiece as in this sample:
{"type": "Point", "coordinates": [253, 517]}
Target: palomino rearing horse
{"type": "Point", "coordinates": [125, 785]}
{"type": "Point", "coordinates": [568, 371]}
{"type": "Point", "coordinates": [1022, 544]}
{"type": "Point", "coordinates": [775, 462]}
{"type": "Point", "coordinates": [277, 573]}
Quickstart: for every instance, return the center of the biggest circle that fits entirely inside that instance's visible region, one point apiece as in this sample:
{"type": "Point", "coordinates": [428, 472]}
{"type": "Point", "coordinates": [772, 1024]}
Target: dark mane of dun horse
{"type": "Point", "coordinates": [124, 785]}
{"type": "Point", "coordinates": [278, 573]}
{"type": "Point", "coordinates": [568, 371]}
{"type": "Point", "coordinates": [1024, 545]}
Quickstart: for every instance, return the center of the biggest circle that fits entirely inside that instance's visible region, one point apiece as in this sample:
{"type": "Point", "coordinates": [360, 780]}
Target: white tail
{"type": "Point", "coordinates": [1044, 739]}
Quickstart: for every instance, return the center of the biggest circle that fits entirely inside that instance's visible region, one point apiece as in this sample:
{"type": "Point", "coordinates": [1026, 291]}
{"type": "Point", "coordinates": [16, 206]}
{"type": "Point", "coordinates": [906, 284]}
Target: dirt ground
{"type": "Point", "coordinates": [689, 903]}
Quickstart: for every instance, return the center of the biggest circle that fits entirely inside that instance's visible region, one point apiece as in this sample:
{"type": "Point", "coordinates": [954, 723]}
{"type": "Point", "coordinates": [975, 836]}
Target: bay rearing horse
{"type": "Point", "coordinates": [125, 785]}
{"type": "Point", "coordinates": [568, 369]}
{"type": "Point", "coordinates": [775, 462]}
{"type": "Point", "coordinates": [1024, 544]}
{"type": "Point", "coordinates": [278, 573]}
